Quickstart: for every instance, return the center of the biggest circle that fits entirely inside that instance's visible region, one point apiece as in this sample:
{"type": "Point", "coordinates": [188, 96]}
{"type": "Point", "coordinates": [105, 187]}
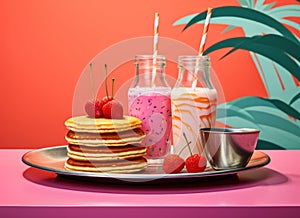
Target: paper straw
{"type": "Point", "coordinates": [205, 30]}
{"type": "Point", "coordinates": [155, 46]}
{"type": "Point", "coordinates": [202, 45]}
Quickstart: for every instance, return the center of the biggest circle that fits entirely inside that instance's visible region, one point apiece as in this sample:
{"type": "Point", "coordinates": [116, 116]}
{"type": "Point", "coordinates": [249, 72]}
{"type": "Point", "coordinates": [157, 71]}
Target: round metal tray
{"type": "Point", "coordinates": [52, 159]}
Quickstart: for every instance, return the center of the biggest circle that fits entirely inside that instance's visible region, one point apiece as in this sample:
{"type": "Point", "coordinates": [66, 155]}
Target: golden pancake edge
{"type": "Point", "coordinates": [102, 125]}
{"type": "Point", "coordinates": [105, 145]}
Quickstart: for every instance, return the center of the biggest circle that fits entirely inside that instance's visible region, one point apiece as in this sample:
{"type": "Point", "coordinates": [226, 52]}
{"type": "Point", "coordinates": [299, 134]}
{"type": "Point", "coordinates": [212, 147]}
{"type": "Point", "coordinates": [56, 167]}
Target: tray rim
{"type": "Point", "coordinates": [138, 176]}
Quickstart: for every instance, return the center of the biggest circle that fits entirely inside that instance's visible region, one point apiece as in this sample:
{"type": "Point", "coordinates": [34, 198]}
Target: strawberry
{"type": "Point", "coordinates": [113, 110]}
{"type": "Point", "coordinates": [93, 108]}
{"type": "Point", "coordinates": [173, 163]}
{"type": "Point", "coordinates": [195, 163]}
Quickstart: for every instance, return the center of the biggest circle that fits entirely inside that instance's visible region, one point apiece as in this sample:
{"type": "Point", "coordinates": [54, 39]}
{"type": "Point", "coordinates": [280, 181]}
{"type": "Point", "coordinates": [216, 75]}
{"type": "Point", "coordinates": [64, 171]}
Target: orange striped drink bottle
{"type": "Point", "coordinates": [194, 101]}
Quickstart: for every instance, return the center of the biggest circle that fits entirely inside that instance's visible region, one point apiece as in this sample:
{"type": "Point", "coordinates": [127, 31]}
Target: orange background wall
{"type": "Point", "coordinates": [46, 44]}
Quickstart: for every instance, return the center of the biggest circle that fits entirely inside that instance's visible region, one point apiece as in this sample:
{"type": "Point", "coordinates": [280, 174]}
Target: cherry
{"type": "Point", "coordinates": [94, 108]}
{"type": "Point", "coordinates": [173, 163]}
{"type": "Point", "coordinates": [108, 107]}
{"type": "Point", "coordinates": [194, 163]}
{"type": "Point", "coordinates": [113, 110]}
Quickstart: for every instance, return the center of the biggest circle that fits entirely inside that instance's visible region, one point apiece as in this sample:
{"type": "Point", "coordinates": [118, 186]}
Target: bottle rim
{"type": "Point", "coordinates": [149, 57]}
{"type": "Point", "coordinates": [192, 60]}
{"type": "Point", "coordinates": [146, 61]}
{"type": "Point", "coordinates": [193, 57]}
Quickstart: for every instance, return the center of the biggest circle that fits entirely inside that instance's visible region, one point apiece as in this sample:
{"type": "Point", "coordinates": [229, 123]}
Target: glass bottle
{"type": "Point", "coordinates": [194, 101]}
{"type": "Point", "coordinates": [149, 99]}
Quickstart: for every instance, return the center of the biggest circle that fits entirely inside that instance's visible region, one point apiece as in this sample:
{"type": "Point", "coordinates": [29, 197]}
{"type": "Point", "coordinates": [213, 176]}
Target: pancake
{"type": "Point", "coordinates": [105, 145]}
{"type": "Point", "coordinates": [106, 136]}
{"type": "Point", "coordinates": [134, 136]}
{"type": "Point", "coordinates": [102, 153]}
{"type": "Point", "coordinates": [102, 125]}
{"type": "Point", "coordinates": [121, 166]}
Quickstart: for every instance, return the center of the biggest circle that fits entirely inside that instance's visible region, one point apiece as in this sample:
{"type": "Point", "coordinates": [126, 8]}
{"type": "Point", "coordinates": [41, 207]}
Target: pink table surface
{"type": "Point", "coordinates": [275, 185]}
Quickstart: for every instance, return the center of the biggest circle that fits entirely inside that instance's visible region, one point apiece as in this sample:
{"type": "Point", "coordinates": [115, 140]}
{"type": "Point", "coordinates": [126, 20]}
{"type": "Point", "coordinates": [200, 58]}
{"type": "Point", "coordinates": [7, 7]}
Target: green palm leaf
{"type": "Point", "coordinates": [281, 105]}
{"type": "Point", "coordinates": [285, 108]}
{"type": "Point", "coordinates": [252, 101]}
{"type": "Point", "coordinates": [266, 145]}
{"type": "Point", "coordinates": [282, 43]}
{"type": "Point", "coordinates": [260, 5]}
{"type": "Point", "coordinates": [271, 52]}
{"type": "Point", "coordinates": [285, 11]}
{"type": "Point", "coordinates": [231, 111]}
{"type": "Point", "coordinates": [295, 98]}
{"type": "Point", "coordinates": [267, 119]}
{"type": "Point", "coordinates": [278, 130]}
{"type": "Point", "coordinates": [268, 6]}
{"type": "Point", "coordinates": [245, 3]}
{"type": "Point", "coordinates": [245, 13]}
{"type": "Point", "coordinates": [277, 41]}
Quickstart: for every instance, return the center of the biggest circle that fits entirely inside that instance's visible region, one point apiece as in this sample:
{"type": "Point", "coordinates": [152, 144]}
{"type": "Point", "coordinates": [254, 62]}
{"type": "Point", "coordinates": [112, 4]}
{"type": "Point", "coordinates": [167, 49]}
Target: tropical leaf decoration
{"type": "Point", "coordinates": [275, 47]}
{"type": "Point", "coordinates": [295, 98]}
{"type": "Point", "coordinates": [275, 50]}
{"type": "Point", "coordinates": [244, 13]}
{"type": "Point", "coordinates": [271, 116]}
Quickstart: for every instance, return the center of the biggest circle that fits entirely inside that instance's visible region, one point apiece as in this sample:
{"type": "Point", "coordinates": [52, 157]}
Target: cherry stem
{"type": "Point", "coordinates": [91, 82]}
{"type": "Point", "coordinates": [106, 89]}
{"type": "Point", "coordinates": [184, 148]}
{"type": "Point", "coordinates": [188, 144]}
{"type": "Point", "coordinates": [112, 87]}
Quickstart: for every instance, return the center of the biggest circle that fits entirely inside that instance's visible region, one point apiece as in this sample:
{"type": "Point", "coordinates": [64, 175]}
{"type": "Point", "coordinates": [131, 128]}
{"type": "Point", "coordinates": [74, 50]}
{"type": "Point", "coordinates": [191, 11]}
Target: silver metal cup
{"type": "Point", "coordinates": [228, 148]}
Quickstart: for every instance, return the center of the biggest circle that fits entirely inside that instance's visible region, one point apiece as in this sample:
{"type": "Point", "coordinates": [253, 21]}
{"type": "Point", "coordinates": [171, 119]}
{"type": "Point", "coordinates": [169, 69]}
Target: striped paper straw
{"type": "Point", "coordinates": [202, 45]}
{"type": "Point", "coordinates": [205, 30]}
{"type": "Point", "coordinates": [155, 46]}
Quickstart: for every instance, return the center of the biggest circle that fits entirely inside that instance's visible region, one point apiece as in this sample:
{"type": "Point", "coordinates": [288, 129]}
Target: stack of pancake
{"type": "Point", "coordinates": [105, 145]}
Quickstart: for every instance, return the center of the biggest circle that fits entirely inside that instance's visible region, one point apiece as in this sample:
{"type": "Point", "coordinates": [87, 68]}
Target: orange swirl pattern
{"type": "Point", "coordinates": [192, 110]}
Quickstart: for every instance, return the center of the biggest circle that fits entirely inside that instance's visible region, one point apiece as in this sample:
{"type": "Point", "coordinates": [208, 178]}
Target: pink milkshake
{"type": "Point", "coordinates": [153, 107]}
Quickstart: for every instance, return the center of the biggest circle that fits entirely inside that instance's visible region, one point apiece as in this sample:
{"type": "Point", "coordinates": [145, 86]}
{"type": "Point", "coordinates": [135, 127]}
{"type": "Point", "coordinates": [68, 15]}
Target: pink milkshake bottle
{"type": "Point", "coordinates": [149, 98]}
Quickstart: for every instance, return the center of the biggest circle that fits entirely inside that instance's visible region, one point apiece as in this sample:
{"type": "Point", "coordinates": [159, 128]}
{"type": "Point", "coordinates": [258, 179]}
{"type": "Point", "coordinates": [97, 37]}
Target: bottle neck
{"type": "Point", "coordinates": [194, 72]}
{"type": "Point", "coordinates": [150, 71]}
